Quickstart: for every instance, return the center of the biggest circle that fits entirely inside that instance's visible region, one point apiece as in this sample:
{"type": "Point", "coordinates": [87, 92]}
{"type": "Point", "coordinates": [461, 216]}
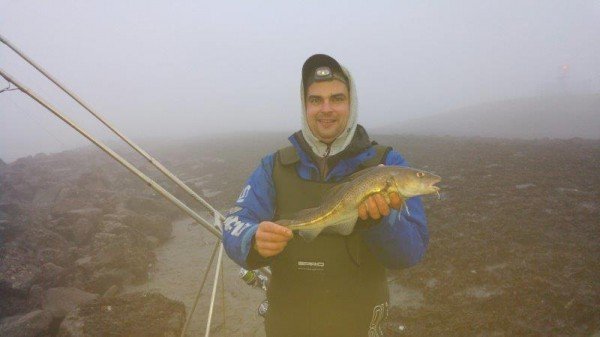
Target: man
{"type": "Point", "coordinates": [334, 285]}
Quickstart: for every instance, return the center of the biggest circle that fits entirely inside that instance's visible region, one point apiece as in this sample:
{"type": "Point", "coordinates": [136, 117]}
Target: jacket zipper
{"type": "Point", "coordinates": [323, 165]}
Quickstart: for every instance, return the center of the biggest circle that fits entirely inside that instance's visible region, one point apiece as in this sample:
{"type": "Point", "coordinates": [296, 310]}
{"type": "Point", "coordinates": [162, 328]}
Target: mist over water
{"type": "Point", "coordinates": [193, 69]}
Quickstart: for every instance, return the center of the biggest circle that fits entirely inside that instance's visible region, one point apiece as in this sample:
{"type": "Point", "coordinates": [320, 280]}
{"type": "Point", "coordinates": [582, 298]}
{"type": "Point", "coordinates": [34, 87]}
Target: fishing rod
{"type": "Point", "coordinates": [256, 278]}
{"type": "Point", "coordinates": [214, 229]}
{"type": "Point", "coordinates": [114, 155]}
{"type": "Point", "coordinates": [137, 148]}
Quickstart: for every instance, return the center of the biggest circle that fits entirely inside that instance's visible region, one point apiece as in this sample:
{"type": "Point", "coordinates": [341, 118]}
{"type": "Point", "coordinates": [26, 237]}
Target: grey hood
{"type": "Point", "coordinates": [342, 141]}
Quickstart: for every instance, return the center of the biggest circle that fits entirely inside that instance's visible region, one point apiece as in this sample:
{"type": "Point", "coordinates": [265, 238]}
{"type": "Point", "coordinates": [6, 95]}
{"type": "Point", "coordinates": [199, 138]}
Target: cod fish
{"type": "Point", "coordinates": [339, 211]}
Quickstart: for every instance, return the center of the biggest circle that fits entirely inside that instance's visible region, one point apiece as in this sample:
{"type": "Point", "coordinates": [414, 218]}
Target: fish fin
{"type": "Point", "coordinates": [390, 184]}
{"type": "Point", "coordinates": [344, 225]}
{"type": "Point", "coordinates": [310, 234]}
{"type": "Point", "coordinates": [361, 172]}
{"type": "Point", "coordinates": [336, 189]}
{"type": "Point", "coordinates": [345, 229]}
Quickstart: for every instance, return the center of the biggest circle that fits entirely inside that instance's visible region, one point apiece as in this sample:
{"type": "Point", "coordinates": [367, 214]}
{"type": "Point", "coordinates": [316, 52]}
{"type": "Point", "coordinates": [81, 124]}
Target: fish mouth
{"type": "Point", "coordinates": [435, 189]}
{"type": "Point", "coordinates": [433, 182]}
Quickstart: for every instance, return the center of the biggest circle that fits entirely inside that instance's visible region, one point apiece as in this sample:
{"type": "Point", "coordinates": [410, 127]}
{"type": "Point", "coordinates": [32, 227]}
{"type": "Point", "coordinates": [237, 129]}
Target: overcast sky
{"type": "Point", "coordinates": [192, 68]}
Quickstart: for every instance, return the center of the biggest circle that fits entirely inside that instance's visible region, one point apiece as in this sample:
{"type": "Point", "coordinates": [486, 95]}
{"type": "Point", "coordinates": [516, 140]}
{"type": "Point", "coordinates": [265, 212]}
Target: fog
{"type": "Point", "coordinates": [192, 69]}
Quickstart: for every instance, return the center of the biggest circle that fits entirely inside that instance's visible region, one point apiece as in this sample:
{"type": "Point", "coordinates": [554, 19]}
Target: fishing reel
{"type": "Point", "coordinates": [254, 279]}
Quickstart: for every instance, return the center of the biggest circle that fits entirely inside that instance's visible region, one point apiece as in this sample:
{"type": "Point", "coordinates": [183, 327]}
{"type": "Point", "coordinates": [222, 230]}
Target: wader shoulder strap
{"type": "Point", "coordinates": [287, 155]}
{"type": "Point", "coordinates": [381, 153]}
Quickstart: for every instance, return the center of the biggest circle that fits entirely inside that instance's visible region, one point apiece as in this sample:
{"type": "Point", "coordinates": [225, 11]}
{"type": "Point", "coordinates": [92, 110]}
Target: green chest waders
{"type": "Point", "coordinates": [332, 286]}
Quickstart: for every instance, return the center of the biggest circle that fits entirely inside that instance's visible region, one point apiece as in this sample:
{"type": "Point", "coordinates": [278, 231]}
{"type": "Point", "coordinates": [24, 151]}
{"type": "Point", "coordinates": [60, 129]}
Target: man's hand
{"type": "Point", "coordinates": [271, 238]}
{"type": "Point", "coordinates": [377, 206]}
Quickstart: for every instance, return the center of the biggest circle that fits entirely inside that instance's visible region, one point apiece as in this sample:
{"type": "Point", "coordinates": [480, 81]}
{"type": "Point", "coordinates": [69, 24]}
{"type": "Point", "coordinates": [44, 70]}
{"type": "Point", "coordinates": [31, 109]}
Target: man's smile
{"type": "Point", "coordinates": [327, 122]}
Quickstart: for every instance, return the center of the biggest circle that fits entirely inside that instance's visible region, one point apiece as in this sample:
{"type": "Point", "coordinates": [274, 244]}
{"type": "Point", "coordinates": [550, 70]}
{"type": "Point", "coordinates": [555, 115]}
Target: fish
{"type": "Point", "coordinates": [338, 212]}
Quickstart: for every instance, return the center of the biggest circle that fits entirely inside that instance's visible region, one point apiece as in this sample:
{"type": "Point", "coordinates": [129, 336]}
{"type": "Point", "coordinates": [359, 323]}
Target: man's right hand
{"type": "Point", "coordinates": [270, 238]}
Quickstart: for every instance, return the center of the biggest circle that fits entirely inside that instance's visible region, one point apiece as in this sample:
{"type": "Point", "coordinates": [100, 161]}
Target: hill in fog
{"type": "Point", "coordinates": [527, 118]}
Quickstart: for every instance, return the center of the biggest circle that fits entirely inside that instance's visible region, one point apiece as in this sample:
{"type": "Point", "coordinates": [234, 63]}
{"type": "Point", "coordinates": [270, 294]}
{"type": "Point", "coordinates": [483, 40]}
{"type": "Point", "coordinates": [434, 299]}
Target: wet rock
{"type": "Point", "coordinates": [496, 267]}
{"type": "Point", "coordinates": [111, 292]}
{"type": "Point", "coordinates": [208, 193]}
{"type": "Point", "coordinates": [9, 208]}
{"type": "Point", "coordinates": [152, 241]}
{"type": "Point", "coordinates": [117, 255]}
{"type": "Point", "coordinates": [137, 314]}
{"type": "Point", "coordinates": [570, 190]}
{"type": "Point", "coordinates": [431, 283]}
{"type": "Point", "coordinates": [37, 238]}
{"type": "Point", "coordinates": [112, 228]}
{"type": "Point", "coordinates": [156, 226]}
{"type": "Point", "coordinates": [36, 297]}
{"type": "Point", "coordinates": [45, 197]}
{"type": "Point", "coordinates": [406, 298]}
{"type": "Point", "coordinates": [112, 217]}
{"type": "Point", "coordinates": [16, 277]}
{"type": "Point", "coordinates": [101, 280]}
{"type": "Point", "coordinates": [54, 256]}
{"type": "Point", "coordinates": [589, 206]}
{"type": "Point", "coordinates": [51, 275]}
{"type": "Point", "coordinates": [479, 292]}
{"type": "Point", "coordinates": [10, 226]}
{"type": "Point", "coordinates": [84, 262]}
{"type": "Point", "coordinates": [78, 230]}
{"type": "Point", "coordinates": [34, 324]}
{"type": "Point", "coordinates": [143, 205]}
{"type": "Point", "coordinates": [92, 213]}
{"type": "Point", "coordinates": [122, 248]}
{"type": "Point", "coordinates": [93, 180]}
{"type": "Point", "coordinates": [13, 304]}
{"type": "Point", "coordinates": [18, 273]}
{"type": "Point", "coordinates": [68, 199]}
{"type": "Point", "coordinates": [59, 301]}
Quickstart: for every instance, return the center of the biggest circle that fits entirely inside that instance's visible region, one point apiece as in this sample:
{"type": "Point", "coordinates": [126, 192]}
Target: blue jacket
{"type": "Point", "coordinates": [399, 241]}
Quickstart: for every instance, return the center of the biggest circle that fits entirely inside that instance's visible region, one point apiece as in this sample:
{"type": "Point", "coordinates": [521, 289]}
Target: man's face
{"type": "Point", "coordinates": [327, 109]}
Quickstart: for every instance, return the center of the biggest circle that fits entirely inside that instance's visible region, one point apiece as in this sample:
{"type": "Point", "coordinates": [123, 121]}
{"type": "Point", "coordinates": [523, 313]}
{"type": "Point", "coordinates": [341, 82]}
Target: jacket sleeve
{"type": "Point", "coordinates": [401, 239]}
{"type": "Point", "coordinates": [256, 203]}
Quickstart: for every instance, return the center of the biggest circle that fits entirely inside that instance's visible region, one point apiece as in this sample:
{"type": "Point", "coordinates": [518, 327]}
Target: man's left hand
{"type": "Point", "coordinates": [376, 205]}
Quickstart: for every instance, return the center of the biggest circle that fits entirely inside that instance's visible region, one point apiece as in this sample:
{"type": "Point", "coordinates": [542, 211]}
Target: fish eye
{"type": "Point", "coordinates": [420, 174]}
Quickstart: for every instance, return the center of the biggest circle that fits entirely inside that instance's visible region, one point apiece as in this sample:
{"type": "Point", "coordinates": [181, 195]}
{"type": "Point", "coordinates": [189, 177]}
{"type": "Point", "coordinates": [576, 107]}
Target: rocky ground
{"type": "Point", "coordinates": [72, 229]}
{"type": "Point", "coordinates": [514, 247]}
{"type": "Point", "coordinates": [515, 240]}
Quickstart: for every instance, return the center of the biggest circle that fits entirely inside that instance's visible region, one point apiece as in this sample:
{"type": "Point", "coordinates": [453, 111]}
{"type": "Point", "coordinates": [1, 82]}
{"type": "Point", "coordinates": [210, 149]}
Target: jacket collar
{"type": "Point", "coordinates": [359, 143]}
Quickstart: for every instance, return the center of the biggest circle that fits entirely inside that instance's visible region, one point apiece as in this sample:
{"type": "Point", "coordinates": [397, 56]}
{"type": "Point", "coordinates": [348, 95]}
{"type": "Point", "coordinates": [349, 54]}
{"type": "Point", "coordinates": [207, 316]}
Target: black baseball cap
{"type": "Point", "coordinates": [321, 67]}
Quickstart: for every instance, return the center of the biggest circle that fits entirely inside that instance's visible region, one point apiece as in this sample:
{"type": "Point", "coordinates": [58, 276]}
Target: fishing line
{"type": "Point", "coordinates": [32, 118]}
{"type": "Point", "coordinates": [8, 88]}
{"type": "Point", "coordinates": [223, 299]}
{"type": "Point", "coordinates": [199, 292]}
